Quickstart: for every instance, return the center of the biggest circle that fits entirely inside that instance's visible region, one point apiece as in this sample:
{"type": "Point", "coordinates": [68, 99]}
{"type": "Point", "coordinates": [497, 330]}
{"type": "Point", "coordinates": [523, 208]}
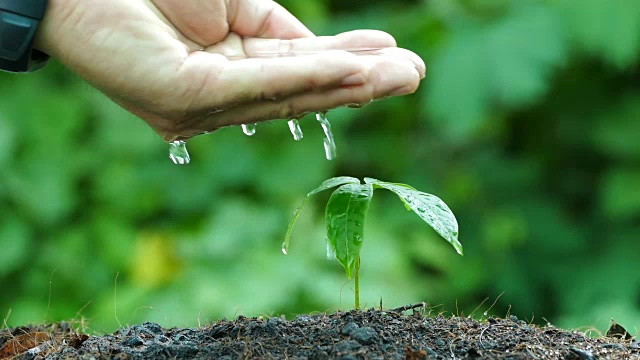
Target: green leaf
{"type": "Point", "coordinates": [345, 216]}
{"type": "Point", "coordinates": [429, 207]}
{"type": "Point", "coordinates": [610, 29]}
{"type": "Point", "coordinates": [616, 131]}
{"type": "Point", "coordinates": [15, 249]}
{"type": "Point", "coordinates": [507, 62]}
{"type": "Point", "coordinates": [326, 185]}
{"type": "Point", "coordinates": [619, 201]}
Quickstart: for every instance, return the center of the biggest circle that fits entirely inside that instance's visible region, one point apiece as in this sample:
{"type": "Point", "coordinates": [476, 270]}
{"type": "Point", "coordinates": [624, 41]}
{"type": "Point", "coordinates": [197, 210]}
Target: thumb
{"type": "Point", "coordinates": [208, 22]}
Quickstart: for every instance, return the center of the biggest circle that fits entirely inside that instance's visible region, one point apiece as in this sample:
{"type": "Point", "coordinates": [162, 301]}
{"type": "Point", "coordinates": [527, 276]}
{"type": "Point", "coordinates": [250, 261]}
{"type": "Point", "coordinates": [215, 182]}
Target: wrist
{"type": "Point", "coordinates": [59, 18]}
{"type": "Point", "coordinates": [41, 41]}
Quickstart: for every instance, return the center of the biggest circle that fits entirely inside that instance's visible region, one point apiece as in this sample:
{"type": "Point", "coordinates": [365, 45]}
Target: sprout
{"type": "Point", "coordinates": [347, 210]}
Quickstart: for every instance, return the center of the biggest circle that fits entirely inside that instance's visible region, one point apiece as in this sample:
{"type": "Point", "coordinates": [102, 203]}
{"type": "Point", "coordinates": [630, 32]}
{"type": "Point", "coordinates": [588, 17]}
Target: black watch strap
{"type": "Point", "coordinates": [19, 20]}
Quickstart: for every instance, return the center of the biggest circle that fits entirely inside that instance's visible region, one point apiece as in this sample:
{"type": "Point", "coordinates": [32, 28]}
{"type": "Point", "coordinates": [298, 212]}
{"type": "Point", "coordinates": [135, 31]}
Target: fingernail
{"type": "Point", "coordinates": [404, 90]}
{"type": "Point", "coordinates": [359, 105]}
{"type": "Point", "coordinates": [352, 80]}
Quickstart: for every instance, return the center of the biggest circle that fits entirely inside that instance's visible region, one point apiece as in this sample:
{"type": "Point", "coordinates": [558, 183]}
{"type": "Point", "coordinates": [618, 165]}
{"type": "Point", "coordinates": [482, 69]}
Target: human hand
{"type": "Point", "coordinates": [192, 66]}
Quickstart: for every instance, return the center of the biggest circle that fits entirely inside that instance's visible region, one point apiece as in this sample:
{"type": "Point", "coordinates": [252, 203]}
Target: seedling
{"type": "Point", "coordinates": [347, 209]}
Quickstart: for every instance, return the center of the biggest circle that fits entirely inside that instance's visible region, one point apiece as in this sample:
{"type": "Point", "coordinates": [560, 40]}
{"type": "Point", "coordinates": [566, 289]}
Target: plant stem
{"type": "Point", "coordinates": [357, 284]}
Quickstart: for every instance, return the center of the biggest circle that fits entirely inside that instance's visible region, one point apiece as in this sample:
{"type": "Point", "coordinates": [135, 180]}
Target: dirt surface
{"type": "Point", "coordinates": [370, 334]}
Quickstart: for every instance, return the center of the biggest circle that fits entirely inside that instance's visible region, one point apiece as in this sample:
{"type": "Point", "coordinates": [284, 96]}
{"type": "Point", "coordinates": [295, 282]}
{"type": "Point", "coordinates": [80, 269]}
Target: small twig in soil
{"type": "Point", "coordinates": [6, 318]}
{"type": "Point", "coordinates": [46, 312]}
{"type": "Point", "coordinates": [115, 299]}
{"type": "Point", "coordinates": [482, 333]}
{"type": "Point", "coordinates": [357, 284]}
{"type": "Point", "coordinates": [531, 354]}
{"type": "Point", "coordinates": [420, 305]}
{"type": "Point", "coordinates": [79, 313]}
{"type": "Point", "coordinates": [494, 303]}
{"type": "Point", "coordinates": [342, 288]}
{"type": "Point", "coordinates": [478, 307]}
{"type": "Point", "coordinates": [453, 355]}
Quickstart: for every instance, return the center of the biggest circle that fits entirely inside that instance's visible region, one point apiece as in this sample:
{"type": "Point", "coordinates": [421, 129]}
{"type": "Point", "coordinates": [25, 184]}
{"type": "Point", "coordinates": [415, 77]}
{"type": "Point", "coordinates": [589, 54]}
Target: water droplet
{"type": "Point", "coordinates": [178, 152]}
{"type": "Point", "coordinates": [296, 131]}
{"type": "Point", "coordinates": [486, 313]}
{"type": "Point", "coordinates": [249, 129]}
{"type": "Point", "coordinates": [331, 253]}
{"type": "Point", "coordinates": [284, 250]}
{"type": "Point", "coordinates": [329, 151]}
{"type": "Point", "coordinates": [329, 142]}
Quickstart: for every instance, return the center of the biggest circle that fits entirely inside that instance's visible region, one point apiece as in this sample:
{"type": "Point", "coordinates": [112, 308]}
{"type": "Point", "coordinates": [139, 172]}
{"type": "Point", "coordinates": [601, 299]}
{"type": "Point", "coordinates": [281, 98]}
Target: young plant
{"type": "Point", "coordinates": [347, 209]}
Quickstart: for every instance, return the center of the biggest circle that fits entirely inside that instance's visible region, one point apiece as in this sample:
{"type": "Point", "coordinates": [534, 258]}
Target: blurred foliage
{"type": "Point", "coordinates": [526, 125]}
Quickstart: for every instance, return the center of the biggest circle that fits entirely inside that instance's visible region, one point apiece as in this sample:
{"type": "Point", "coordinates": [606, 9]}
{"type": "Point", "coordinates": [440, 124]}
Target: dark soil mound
{"type": "Point", "coordinates": [371, 334]}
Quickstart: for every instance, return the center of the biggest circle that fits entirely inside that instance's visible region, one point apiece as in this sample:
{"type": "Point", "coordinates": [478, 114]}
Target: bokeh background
{"type": "Point", "coordinates": [527, 125]}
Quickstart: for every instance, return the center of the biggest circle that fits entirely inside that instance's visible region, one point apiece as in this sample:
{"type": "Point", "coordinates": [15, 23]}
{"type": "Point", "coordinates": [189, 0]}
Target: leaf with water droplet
{"type": "Point", "coordinates": [331, 251]}
{"type": "Point", "coordinates": [428, 207]}
{"type": "Point", "coordinates": [326, 185]}
{"type": "Point", "coordinates": [345, 216]}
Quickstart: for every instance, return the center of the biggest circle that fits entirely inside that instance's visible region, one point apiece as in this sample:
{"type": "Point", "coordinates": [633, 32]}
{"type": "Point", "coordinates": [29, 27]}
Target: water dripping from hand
{"type": "Point", "coordinates": [178, 152]}
{"type": "Point", "coordinates": [296, 131]}
{"type": "Point", "coordinates": [329, 141]}
{"type": "Point", "coordinates": [249, 129]}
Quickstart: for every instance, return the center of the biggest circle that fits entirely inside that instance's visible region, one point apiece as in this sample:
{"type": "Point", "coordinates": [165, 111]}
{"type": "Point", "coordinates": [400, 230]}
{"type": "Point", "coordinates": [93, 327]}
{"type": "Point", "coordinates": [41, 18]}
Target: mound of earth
{"type": "Point", "coordinates": [371, 334]}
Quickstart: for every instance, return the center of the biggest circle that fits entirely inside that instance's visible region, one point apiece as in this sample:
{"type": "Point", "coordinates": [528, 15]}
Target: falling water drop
{"type": "Point", "coordinates": [296, 131]}
{"type": "Point", "coordinates": [249, 129]}
{"type": "Point", "coordinates": [178, 152]}
{"type": "Point", "coordinates": [329, 142]}
{"type": "Point", "coordinates": [331, 253]}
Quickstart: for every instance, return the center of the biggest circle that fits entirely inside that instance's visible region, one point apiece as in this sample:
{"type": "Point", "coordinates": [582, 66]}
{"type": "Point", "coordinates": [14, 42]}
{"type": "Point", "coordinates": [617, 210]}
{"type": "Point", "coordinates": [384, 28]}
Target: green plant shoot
{"type": "Point", "coordinates": [347, 209]}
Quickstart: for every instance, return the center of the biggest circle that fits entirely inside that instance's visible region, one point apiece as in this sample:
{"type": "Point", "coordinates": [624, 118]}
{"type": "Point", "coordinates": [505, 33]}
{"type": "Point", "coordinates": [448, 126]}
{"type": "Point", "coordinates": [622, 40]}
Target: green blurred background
{"type": "Point", "coordinates": [527, 125]}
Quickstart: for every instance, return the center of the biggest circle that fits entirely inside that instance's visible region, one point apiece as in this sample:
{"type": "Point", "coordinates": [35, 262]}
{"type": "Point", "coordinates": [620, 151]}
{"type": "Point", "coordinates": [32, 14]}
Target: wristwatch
{"type": "Point", "coordinates": [18, 22]}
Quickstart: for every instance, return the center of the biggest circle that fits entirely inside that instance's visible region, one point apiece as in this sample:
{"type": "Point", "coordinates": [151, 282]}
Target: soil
{"type": "Point", "coordinates": [372, 334]}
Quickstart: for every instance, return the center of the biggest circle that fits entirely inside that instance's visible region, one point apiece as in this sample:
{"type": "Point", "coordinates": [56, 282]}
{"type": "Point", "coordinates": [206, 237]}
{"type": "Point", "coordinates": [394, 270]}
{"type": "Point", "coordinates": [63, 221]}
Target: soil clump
{"type": "Point", "coordinates": [371, 334]}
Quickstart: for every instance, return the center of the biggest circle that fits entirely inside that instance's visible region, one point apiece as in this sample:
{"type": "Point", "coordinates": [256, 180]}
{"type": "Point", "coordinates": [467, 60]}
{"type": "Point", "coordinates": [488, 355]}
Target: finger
{"type": "Point", "coordinates": [360, 42]}
{"type": "Point", "coordinates": [208, 22]}
{"type": "Point", "coordinates": [231, 83]}
{"type": "Point", "coordinates": [406, 55]}
{"type": "Point", "coordinates": [202, 21]}
{"type": "Point", "coordinates": [266, 19]}
{"type": "Point", "coordinates": [391, 77]}
{"type": "Point", "coordinates": [353, 40]}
